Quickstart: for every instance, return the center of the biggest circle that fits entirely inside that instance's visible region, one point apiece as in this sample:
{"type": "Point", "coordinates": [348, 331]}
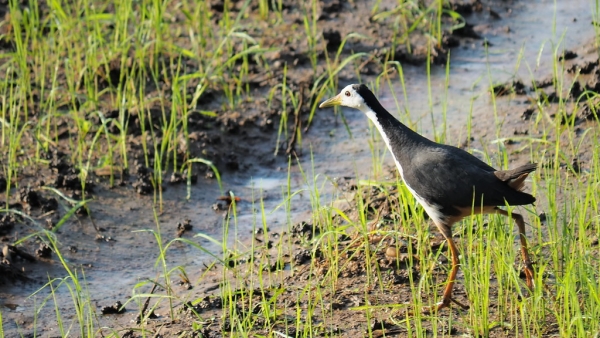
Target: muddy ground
{"type": "Point", "coordinates": [241, 143]}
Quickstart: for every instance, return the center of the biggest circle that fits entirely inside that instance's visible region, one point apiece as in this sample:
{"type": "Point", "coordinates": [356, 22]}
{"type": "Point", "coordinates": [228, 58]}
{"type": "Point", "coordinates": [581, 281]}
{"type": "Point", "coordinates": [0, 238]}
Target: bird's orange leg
{"type": "Point", "coordinates": [447, 296]}
{"type": "Point", "coordinates": [529, 274]}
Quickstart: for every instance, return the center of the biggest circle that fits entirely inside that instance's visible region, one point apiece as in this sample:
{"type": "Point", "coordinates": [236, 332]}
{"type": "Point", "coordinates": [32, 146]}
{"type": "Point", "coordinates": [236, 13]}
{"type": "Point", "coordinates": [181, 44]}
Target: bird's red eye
{"type": "Point", "coordinates": [347, 93]}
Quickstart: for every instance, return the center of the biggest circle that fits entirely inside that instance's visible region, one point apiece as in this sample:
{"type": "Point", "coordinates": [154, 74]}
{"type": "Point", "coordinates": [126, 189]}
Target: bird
{"type": "Point", "coordinates": [448, 182]}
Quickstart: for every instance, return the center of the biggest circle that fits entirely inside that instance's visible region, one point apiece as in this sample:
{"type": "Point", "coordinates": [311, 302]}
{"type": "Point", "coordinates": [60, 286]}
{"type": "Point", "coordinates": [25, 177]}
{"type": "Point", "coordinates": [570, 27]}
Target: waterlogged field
{"type": "Point", "coordinates": [166, 171]}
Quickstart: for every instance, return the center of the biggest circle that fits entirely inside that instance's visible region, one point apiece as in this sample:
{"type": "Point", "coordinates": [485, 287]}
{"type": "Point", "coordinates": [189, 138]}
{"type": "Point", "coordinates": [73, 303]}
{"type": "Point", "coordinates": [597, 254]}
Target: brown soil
{"type": "Point", "coordinates": [241, 142]}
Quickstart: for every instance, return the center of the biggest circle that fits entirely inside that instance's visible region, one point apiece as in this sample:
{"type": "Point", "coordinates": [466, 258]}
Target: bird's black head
{"type": "Point", "coordinates": [366, 94]}
{"type": "Point", "coordinates": [354, 96]}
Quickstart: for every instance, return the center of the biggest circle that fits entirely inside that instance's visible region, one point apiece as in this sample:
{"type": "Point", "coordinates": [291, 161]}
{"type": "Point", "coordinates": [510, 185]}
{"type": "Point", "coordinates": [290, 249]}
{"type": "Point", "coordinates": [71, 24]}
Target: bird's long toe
{"type": "Point", "coordinates": [446, 302]}
{"type": "Point", "coordinates": [464, 306]}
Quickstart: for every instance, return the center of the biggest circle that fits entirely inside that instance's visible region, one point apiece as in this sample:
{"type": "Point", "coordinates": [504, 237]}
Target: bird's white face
{"type": "Point", "coordinates": [348, 97]}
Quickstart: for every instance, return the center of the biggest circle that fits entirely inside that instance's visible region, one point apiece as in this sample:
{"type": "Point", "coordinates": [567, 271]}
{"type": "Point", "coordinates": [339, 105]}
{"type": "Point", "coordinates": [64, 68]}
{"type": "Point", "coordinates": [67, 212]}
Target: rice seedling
{"type": "Point", "coordinates": [86, 78]}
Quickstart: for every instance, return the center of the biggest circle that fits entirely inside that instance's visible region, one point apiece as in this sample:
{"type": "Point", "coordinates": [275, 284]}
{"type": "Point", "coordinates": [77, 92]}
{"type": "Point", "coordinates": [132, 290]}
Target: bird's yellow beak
{"type": "Point", "coordinates": [334, 101]}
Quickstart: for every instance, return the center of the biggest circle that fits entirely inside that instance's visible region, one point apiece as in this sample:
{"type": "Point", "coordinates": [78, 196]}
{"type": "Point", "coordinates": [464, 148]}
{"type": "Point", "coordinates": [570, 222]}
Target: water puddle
{"type": "Point", "coordinates": [521, 46]}
{"type": "Point", "coordinates": [112, 268]}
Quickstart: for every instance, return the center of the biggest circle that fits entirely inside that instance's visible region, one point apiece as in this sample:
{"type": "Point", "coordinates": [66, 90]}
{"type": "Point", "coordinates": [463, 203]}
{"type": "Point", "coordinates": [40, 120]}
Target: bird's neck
{"type": "Point", "coordinates": [394, 133]}
{"type": "Point", "coordinates": [402, 141]}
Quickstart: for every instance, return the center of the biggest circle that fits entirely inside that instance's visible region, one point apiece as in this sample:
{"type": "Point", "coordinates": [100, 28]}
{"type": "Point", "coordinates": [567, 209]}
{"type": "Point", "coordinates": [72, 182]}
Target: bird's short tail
{"type": "Point", "coordinates": [516, 177]}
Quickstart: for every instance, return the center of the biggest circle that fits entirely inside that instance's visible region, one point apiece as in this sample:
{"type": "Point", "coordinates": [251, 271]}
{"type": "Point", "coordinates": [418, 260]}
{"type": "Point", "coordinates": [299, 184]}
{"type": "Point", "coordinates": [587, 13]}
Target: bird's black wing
{"type": "Point", "coordinates": [450, 177]}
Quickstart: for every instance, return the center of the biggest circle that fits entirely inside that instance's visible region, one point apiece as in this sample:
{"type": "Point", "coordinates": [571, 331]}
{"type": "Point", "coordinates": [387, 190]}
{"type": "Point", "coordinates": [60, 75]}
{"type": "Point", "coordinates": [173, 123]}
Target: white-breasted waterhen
{"type": "Point", "coordinates": [447, 181]}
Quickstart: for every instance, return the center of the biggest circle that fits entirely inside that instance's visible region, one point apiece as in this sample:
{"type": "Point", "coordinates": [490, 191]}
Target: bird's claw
{"type": "Point", "coordinates": [465, 307]}
{"type": "Point", "coordinates": [443, 304]}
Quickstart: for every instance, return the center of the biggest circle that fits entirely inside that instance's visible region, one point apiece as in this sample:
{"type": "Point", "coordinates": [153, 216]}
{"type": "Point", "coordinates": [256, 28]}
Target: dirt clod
{"type": "Point", "coordinates": [576, 166]}
{"type": "Point", "coordinates": [30, 197]}
{"type": "Point", "coordinates": [586, 68]}
{"type": "Point", "coordinates": [7, 223]}
{"type": "Point", "coordinates": [466, 7]}
{"type": "Point", "coordinates": [567, 55]}
{"type": "Point", "coordinates": [116, 308]}
{"type": "Point", "coordinates": [184, 226]}
{"type": "Point", "coordinates": [210, 303]}
{"type": "Point", "coordinates": [303, 229]}
{"type": "Point", "coordinates": [331, 6]}
{"type": "Point", "coordinates": [50, 204]}
{"type": "Point", "coordinates": [589, 110]}
{"type": "Point", "coordinates": [301, 257]}
{"type": "Point", "coordinates": [143, 184]}
{"type": "Point", "coordinates": [176, 178]}
{"type": "Point", "coordinates": [333, 38]}
{"type": "Point", "coordinates": [44, 251]}
{"type": "Point", "coordinates": [467, 31]}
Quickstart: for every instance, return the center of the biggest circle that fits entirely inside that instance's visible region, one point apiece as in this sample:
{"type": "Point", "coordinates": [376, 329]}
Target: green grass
{"type": "Point", "coordinates": [149, 61]}
{"type": "Point", "coordinates": [564, 246]}
{"type": "Point", "coordinates": [73, 64]}
{"type": "Point", "coordinates": [564, 304]}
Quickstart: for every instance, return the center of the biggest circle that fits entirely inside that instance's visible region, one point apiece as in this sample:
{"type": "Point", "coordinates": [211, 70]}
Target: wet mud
{"type": "Point", "coordinates": [107, 240]}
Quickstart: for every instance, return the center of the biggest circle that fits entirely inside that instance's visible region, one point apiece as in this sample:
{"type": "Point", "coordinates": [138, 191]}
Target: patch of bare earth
{"type": "Point", "coordinates": [242, 140]}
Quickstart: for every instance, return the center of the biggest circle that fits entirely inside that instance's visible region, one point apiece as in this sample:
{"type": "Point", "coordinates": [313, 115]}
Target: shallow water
{"type": "Point", "coordinates": [535, 30]}
{"type": "Point", "coordinates": [112, 268]}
